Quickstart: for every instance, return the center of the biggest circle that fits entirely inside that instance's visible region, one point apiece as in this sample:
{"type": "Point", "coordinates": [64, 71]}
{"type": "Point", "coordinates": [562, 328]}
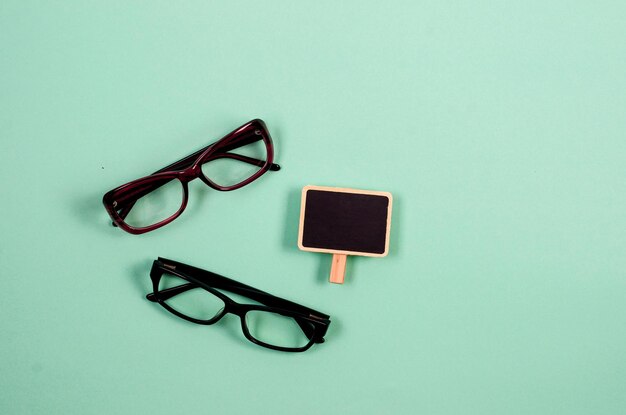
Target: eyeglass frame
{"type": "Point", "coordinates": [213, 282]}
{"type": "Point", "coordinates": [190, 168]}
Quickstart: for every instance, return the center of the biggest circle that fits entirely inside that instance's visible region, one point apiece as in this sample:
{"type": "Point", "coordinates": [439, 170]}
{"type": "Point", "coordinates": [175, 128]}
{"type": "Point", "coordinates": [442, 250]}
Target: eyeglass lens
{"type": "Point", "coordinates": [157, 205]}
{"type": "Point", "coordinates": [226, 169]}
{"type": "Point", "coordinates": [195, 302]}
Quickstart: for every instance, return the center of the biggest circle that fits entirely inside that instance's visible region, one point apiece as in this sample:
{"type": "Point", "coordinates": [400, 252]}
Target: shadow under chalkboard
{"type": "Point", "coordinates": [292, 220]}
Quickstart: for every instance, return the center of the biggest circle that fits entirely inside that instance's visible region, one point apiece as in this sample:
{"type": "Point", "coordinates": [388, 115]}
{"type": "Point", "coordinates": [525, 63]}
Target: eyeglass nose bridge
{"type": "Point", "coordinates": [235, 308]}
{"type": "Point", "coordinates": [189, 174]}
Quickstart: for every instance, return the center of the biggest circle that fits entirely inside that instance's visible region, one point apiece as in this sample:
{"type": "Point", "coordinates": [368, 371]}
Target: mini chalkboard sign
{"type": "Point", "coordinates": [344, 222]}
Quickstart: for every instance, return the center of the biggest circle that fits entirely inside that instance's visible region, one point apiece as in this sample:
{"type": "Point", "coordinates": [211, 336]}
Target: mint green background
{"type": "Point", "coordinates": [500, 128]}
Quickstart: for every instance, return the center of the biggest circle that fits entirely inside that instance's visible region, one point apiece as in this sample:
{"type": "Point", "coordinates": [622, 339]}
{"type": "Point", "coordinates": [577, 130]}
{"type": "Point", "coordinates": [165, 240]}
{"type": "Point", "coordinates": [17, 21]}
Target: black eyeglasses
{"type": "Point", "coordinates": [192, 293]}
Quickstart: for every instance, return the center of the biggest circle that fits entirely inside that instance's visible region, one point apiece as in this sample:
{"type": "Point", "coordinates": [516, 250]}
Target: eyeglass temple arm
{"type": "Point", "coordinates": [131, 198]}
{"type": "Point", "coordinates": [141, 191]}
{"type": "Point", "coordinates": [220, 281]}
{"type": "Point", "coordinates": [182, 164]}
{"type": "Point", "coordinates": [168, 293]}
{"type": "Point", "coordinates": [238, 142]}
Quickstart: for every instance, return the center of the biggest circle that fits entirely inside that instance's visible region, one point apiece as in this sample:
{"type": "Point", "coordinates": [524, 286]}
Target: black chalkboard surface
{"type": "Point", "coordinates": [344, 222]}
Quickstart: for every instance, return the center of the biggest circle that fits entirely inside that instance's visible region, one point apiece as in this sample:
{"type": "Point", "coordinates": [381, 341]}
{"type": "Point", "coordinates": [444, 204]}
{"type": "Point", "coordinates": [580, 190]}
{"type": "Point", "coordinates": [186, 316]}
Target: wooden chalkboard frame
{"type": "Point", "coordinates": [343, 190]}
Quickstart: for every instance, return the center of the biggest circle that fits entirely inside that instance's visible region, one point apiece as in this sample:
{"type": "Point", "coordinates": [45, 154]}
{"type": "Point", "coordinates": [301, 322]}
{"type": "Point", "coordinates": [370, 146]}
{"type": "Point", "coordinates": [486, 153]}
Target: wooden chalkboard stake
{"type": "Point", "coordinates": [338, 268]}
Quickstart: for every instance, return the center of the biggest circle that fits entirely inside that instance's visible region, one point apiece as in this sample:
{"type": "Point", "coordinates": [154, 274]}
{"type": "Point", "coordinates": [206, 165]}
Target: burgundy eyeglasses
{"type": "Point", "coordinates": [146, 204]}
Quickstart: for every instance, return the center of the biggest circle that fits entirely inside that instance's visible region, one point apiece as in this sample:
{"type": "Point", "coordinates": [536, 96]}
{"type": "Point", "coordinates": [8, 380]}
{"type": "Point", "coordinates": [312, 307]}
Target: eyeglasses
{"type": "Point", "coordinates": [196, 295]}
{"type": "Point", "coordinates": [153, 201]}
